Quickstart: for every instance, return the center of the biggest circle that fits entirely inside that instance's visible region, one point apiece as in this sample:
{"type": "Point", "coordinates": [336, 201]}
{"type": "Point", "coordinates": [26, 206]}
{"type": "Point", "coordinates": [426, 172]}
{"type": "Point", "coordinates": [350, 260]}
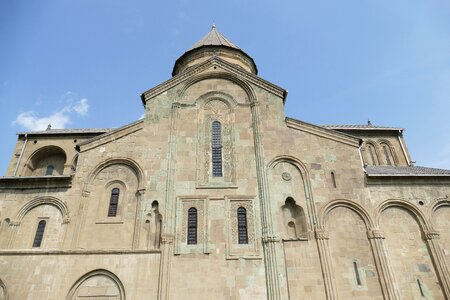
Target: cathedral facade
{"type": "Point", "coordinates": [216, 194]}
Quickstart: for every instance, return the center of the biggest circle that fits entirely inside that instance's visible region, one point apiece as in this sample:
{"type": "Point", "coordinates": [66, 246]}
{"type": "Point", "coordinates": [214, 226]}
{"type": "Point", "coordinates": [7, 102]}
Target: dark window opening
{"type": "Point", "coordinates": [358, 278]}
{"type": "Point", "coordinates": [192, 226]}
{"type": "Point", "coordinates": [333, 178]}
{"type": "Point", "coordinates": [39, 234]}
{"type": "Point", "coordinates": [242, 225]}
{"type": "Point", "coordinates": [216, 146]}
{"type": "Point", "coordinates": [49, 170]}
{"type": "Point", "coordinates": [420, 288]}
{"type": "Point", "coordinates": [113, 202]}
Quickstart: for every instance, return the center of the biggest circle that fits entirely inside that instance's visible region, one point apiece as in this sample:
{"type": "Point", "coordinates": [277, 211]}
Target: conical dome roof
{"type": "Point", "coordinates": [214, 38]}
{"type": "Point", "coordinates": [214, 44]}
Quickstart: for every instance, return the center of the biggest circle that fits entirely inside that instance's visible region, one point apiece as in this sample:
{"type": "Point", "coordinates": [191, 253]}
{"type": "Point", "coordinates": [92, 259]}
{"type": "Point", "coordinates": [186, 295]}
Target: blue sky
{"type": "Point", "coordinates": [84, 63]}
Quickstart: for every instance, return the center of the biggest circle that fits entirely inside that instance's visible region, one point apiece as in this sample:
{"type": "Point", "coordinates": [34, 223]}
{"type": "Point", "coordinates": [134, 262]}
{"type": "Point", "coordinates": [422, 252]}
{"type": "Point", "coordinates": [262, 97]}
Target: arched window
{"type": "Point", "coordinates": [39, 234]}
{"type": "Point", "coordinates": [216, 145]}
{"type": "Point", "coordinates": [49, 170]}
{"type": "Point", "coordinates": [192, 226]}
{"type": "Point", "coordinates": [113, 202]}
{"type": "Point", "coordinates": [372, 154]}
{"type": "Point", "coordinates": [387, 154]}
{"type": "Point", "coordinates": [242, 225]}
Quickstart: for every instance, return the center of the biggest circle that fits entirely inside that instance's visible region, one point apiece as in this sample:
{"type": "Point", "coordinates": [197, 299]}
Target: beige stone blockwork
{"type": "Point", "coordinates": [413, 269]}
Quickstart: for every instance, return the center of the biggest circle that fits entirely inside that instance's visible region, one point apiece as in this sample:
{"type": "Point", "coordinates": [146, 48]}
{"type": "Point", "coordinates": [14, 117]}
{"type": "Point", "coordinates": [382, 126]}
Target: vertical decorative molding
{"type": "Point", "coordinates": [322, 237]}
{"type": "Point", "coordinates": [138, 218]}
{"type": "Point", "coordinates": [432, 240]}
{"type": "Point", "coordinates": [276, 279]}
{"type": "Point", "coordinates": [387, 279]}
{"type": "Point", "coordinates": [170, 206]}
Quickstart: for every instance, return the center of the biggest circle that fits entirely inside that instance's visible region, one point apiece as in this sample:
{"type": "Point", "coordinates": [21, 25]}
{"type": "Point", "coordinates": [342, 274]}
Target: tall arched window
{"type": "Point", "coordinates": [216, 146]}
{"type": "Point", "coordinates": [192, 226]}
{"type": "Point", "coordinates": [242, 225]}
{"type": "Point", "coordinates": [113, 202]}
{"type": "Point", "coordinates": [49, 170]}
{"type": "Point", "coordinates": [39, 234]}
{"type": "Point", "coordinates": [387, 154]}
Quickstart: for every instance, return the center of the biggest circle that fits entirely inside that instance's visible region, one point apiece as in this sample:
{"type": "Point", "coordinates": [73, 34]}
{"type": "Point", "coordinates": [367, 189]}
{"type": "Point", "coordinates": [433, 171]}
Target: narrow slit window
{"type": "Point", "coordinates": [242, 225]}
{"type": "Point", "coordinates": [113, 202]}
{"type": "Point", "coordinates": [39, 234]}
{"type": "Point", "coordinates": [420, 288]}
{"type": "Point", "coordinates": [386, 154]}
{"type": "Point", "coordinates": [333, 179]}
{"type": "Point", "coordinates": [358, 278]}
{"type": "Point", "coordinates": [216, 148]}
{"type": "Point", "coordinates": [192, 226]}
{"type": "Point", "coordinates": [49, 170]}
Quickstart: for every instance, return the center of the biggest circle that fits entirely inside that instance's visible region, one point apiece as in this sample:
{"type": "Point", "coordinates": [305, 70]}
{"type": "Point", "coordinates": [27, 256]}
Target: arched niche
{"type": "Point", "coordinates": [97, 284]}
{"type": "Point", "coordinates": [152, 226]}
{"type": "Point", "coordinates": [46, 161]}
{"type": "Point", "coordinates": [289, 188]}
{"type": "Point", "coordinates": [294, 220]}
{"type": "Point", "coordinates": [371, 157]}
{"type": "Point", "coordinates": [387, 153]}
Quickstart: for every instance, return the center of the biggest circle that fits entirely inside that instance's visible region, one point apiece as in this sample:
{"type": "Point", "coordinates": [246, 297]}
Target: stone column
{"type": "Point", "coordinates": [322, 237]}
{"type": "Point", "coordinates": [387, 280]}
{"type": "Point", "coordinates": [440, 264]}
{"type": "Point", "coordinates": [168, 230]}
{"type": "Point", "coordinates": [276, 280]}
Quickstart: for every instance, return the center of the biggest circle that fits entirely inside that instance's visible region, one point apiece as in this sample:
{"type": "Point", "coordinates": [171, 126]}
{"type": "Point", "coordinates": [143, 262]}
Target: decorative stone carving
{"type": "Point", "coordinates": [234, 249]}
{"type": "Point", "coordinates": [184, 203]}
{"type": "Point", "coordinates": [215, 110]}
{"type": "Point", "coordinates": [286, 176]}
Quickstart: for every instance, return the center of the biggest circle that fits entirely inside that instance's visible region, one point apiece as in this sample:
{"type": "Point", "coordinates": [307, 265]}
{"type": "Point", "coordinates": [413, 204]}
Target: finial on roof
{"type": "Point", "coordinates": [213, 25]}
{"type": "Point", "coordinates": [369, 123]}
{"type": "Point", "coordinates": [49, 127]}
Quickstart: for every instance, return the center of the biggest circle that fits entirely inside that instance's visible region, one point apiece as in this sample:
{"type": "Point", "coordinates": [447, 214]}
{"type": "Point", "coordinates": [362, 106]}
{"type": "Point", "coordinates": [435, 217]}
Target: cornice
{"type": "Point", "coordinates": [323, 132]}
{"type": "Point", "coordinates": [110, 136]}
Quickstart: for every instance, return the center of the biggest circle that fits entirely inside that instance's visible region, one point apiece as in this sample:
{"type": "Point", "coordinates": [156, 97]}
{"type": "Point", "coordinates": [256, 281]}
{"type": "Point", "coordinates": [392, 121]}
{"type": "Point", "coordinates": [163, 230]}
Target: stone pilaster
{"type": "Point", "coordinates": [276, 280]}
{"type": "Point", "coordinates": [322, 237]}
{"type": "Point", "coordinates": [170, 208]}
{"type": "Point", "coordinates": [432, 240]}
{"type": "Point", "coordinates": [387, 280]}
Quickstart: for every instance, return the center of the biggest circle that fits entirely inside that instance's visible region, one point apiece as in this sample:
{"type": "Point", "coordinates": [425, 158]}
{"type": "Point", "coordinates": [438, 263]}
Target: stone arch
{"type": "Point", "coordinates": [376, 153]}
{"type": "Point", "coordinates": [407, 234]}
{"type": "Point", "coordinates": [440, 219]}
{"type": "Point", "coordinates": [41, 200]}
{"type": "Point", "coordinates": [390, 151]}
{"type": "Point", "coordinates": [3, 291]}
{"type": "Point", "coordinates": [419, 216]}
{"type": "Point", "coordinates": [305, 175]}
{"type": "Point", "coordinates": [227, 99]}
{"type": "Point", "coordinates": [355, 207]}
{"type": "Point", "coordinates": [222, 75]}
{"type": "Point", "coordinates": [104, 278]}
{"type": "Point", "coordinates": [113, 161]}
{"type": "Point", "coordinates": [437, 203]}
{"type": "Point", "coordinates": [45, 155]}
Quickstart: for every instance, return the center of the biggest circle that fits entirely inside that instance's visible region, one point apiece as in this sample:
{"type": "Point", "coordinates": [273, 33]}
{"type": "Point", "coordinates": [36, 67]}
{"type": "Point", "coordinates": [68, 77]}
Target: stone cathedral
{"type": "Point", "coordinates": [216, 194]}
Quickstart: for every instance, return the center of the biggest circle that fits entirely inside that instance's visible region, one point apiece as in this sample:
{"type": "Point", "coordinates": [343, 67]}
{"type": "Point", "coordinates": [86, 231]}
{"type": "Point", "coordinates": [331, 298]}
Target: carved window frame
{"type": "Point", "coordinates": [234, 250]}
{"type": "Point", "coordinates": [184, 203]}
{"type": "Point", "coordinates": [215, 109]}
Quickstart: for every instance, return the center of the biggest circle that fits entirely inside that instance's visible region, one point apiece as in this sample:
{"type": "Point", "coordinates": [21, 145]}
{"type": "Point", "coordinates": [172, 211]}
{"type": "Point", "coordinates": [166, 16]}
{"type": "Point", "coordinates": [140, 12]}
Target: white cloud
{"type": "Point", "coordinates": [82, 107]}
{"type": "Point", "coordinates": [60, 119]}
